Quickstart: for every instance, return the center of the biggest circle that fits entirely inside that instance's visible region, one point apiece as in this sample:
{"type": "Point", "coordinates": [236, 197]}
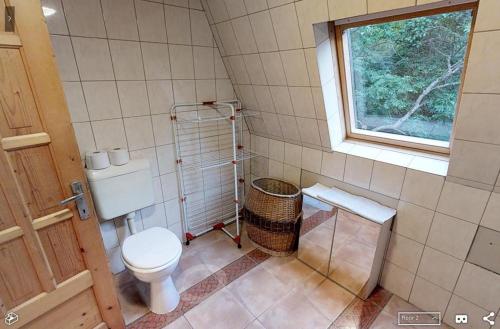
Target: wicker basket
{"type": "Point", "coordinates": [273, 213]}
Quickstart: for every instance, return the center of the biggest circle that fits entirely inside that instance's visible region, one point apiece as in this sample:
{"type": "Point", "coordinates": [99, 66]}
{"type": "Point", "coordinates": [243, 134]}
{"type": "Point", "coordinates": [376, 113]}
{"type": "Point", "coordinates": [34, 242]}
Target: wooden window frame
{"type": "Point", "coordinates": [415, 143]}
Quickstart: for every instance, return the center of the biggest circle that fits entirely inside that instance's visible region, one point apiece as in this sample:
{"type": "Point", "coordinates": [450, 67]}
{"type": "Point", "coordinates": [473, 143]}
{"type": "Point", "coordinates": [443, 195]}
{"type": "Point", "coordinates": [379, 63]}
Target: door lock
{"type": "Point", "coordinates": [79, 199]}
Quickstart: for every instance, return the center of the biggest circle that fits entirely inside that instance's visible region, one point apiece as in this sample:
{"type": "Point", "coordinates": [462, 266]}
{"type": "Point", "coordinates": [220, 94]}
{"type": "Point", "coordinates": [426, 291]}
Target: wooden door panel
{"type": "Point", "coordinates": [53, 271]}
{"type": "Point", "coordinates": [37, 176]}
{"type": "Point", "coordinates": [6, 216]}
{"type": "Point", "coordinates": [17, 101]}
{"type": "Point", "coordinates": [60, 245]}
{"type": "Point", "coordinates": [79, 312]}
{"type": "Point", "coordinates": [18, 278]}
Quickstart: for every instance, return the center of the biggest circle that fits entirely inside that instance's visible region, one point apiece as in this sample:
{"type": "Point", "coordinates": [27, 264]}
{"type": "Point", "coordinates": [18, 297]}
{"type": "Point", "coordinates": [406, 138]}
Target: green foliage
{"type": "Point", "coordinates": [392, 64]}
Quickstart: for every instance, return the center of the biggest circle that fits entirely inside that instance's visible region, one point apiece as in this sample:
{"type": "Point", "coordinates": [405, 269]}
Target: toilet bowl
{"type": "Point", "coordinates": [152, 256]}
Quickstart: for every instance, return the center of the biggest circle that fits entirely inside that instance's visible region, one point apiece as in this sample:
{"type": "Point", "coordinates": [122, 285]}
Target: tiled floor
{"type": "Point", "coordinates": [225, 287]}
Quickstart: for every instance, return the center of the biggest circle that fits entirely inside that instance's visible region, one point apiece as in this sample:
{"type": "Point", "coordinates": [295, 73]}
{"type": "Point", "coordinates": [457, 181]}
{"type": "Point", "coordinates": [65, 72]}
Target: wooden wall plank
{"type": "Point", "coordinates": [79, 312]}
{"type": "Point", "coordinates": [23, 141]}
{"type": "Point", "coordinates": [44, 302]}
{"type": "Point", "coordinates": [10, 234]}
{"type": "Point", "coordinates": [18, 278]}
{"type": "Point", "coordinates": [61, 247]}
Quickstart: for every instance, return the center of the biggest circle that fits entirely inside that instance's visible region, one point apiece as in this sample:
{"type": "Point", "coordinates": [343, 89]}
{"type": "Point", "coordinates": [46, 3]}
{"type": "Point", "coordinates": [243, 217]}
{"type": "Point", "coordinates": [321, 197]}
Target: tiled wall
{"type": "Point", "coordinates": [123, 64]}
{"type": "Point", "coordinates": [436, 222]}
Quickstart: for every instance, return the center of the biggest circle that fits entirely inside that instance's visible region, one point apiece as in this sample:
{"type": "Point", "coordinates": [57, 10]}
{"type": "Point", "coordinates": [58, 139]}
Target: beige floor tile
{"type": "Point", "coordinates": [258, 290]}
{"type": "Point", "coordinates": [180, 323]}
{"type": "Point", "coordinates": [131, 303]}
{"type": "Point", "coordinates": [293, 273]}
{"type": "Point", "coordinates": [190, 271]}
{"type": "Point", "coordinates": [219, 254]}
{"type": "Point", "coordinates": [294, 311]}
{"type": "Point", "coordinates": [330, 299]}
{"type": "Point", "coordinates": [255, 325]}
{"type": "Point", "coordinates": [221, 310]}
{"type": "Point", "coordinates": [386, 321]}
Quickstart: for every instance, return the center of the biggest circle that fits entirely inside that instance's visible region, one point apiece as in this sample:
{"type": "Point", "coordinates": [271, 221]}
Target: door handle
{"type": "Point", "coordinates": [79, 199]}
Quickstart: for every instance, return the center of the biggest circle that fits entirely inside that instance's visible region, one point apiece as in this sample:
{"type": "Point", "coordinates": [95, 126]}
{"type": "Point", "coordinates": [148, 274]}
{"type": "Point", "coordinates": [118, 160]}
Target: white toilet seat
{"type": "Point", "coordinates": [151, 250]}
{"type": "Point", "coordinates": [152, 256]}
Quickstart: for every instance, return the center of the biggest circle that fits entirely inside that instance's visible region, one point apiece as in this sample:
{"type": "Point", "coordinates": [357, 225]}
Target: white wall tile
{"type": "Point", "coordinates": [154, 216]}
{"type": "Point", "coordinates": [150, 155]}
{"type": "Point", "coordinates": [413, 221]}
{"type": "Point", "coordinates": [151, 21]}
{"type": "Point", "coordinates": [201, 35]}
{"type": "Point", "coordinates": [491, 218]}
{"type": "Point", "coordinates": [478, 120]}
{"type": "Point", "coordinates": [421, 188]}
{"type": "Point", "coordinates": [308, 13]}
{"type": "Point", "coordinates": [332, 165]}
{"type": "Point", "coordinates": [294, 64]}
{"type": "Point", "coordinates": [161, 96]}
{"type": "Point", "coordinates": [76, 102]}
{"type": "Point", "coordinates": [255, 69]}
{"type": "Point", "coordinates": [127, 60]}
{"type": "Point", "coordinates": [387, 179]}
{"type": "Point", "coordinates": [235, 8]}
{"type": "Point", "coordinates": [475, 161]}
{"type": "Point", "coordinates": [166, 158]}
{"type": "Point", "coordinates": [276, 150]}
{"type": "Point", "coordinates": [228, 38]}
{"type": "Point", "coordinates": [340, 9]}
{"type": "Point", "coordinates": [133, 98]}
{"type": "Point", "coordinates": [404, 252]}
{"type": "Point", "coordinates": [84, 18]}
{"type": "Point", "coordinates": [118, 17]}
{"type": "Point", "coordinates": [428, 296]}
{"type": "Point", "coordinates": [84, 137]}
{"type": "Point", "coordinates": [463, 202]}
{"type": "Point", "coordinates": [273, 68]}
{"type": "Point", "coordinates": [302, 102]}
{"type": "Point", "coordinates": [450, 235]}
{"type": "Point", "coordinates": [286, 27]}
{"type": "Point", "coordinates": [244, 35]}
{"type": "Point", "coordinates": [439, 268]}
{"type": "Point", "coordinates": [93, 59]}
{"type": "Point", "coordinates": [479, 286]}
{"type": "Point", "coordinates": [291, 174]}
{"type": "Point", "coordinates": [178, 25]}
{"type": "Point", "coordinates": [309, 131]}
{"type": "Point", "coordinates": [255, 5]}
{"type": "Point", "coordinates": [311, 160]}
{"type": "Point", "coordinates": [66, 62]}
{"type": "Point", "coordinates": [204, 67]}
{"type": "Point", "coordinates": [181, 61]}
{"type": "Point", "coordinates": [109, 134]}
{"type": "Point", "coordinates": [458, 305]}
{"type": "Point", "coordinates": [219, 10]}
{"type": "Point", "coordinates": [281, 99]}
{"type": "Point", "coordinates": [293, 155]}
{"type": "Point", "coordinates": [263, 31]}
{"type": "Point", "coordinates": [276, 169]}
{"type": "Point", "coordinates": [156, 60]}
{"type": "Point", "coordinates": [358, 171]}
{"type": "Point", "coordinates": [397, 280]}
{"type": "Point", "coordinates": [102, 100]}
{"type": "Point", "coordinates": [139, 132]}
{"type": "Point", "coordinates": [56, 22]}
{"type": "Point", "coordinates": [173, 211]}
{"type": "Point", "coordinates": [169, 186]}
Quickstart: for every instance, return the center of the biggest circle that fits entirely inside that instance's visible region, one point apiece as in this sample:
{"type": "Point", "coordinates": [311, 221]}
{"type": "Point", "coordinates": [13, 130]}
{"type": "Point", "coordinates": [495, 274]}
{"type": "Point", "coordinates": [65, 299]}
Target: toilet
{"type": "Point", "coordinates": [152, 254]}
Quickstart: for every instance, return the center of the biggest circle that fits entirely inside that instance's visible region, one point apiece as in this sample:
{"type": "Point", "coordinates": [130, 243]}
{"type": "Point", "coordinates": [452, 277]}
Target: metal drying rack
{"type": "Point", "coordinates": [209, 141]}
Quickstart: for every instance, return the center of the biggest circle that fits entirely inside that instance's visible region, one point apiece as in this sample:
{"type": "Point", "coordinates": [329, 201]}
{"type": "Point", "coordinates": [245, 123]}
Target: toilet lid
{"type": "Point", "coordinates": [151, 248]}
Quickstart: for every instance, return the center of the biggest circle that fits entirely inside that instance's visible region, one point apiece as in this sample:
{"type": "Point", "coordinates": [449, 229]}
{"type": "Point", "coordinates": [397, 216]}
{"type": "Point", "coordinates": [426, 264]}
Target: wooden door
{"type": "Point", "coordinates": [53, 267]}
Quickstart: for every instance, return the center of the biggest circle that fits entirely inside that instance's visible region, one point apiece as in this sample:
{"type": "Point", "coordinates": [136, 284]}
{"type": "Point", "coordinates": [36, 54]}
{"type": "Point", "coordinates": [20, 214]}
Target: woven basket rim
{"type": "Point", "coordinates": [275, 194]}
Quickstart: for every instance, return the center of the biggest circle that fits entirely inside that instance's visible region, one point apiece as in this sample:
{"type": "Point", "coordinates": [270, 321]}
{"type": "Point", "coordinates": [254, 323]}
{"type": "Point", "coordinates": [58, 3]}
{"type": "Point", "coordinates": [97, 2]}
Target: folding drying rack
{"type": "Point", "coordinates": [209, 155]}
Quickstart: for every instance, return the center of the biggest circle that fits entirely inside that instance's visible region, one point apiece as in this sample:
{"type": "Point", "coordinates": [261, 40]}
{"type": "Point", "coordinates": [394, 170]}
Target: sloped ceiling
{"type": "Point", "coordinates": [270, 53]}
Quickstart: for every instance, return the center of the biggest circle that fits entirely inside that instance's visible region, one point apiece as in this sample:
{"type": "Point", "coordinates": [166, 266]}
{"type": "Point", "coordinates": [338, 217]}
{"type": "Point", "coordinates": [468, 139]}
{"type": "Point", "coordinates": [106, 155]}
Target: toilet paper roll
{"type": "Point", "coordinates": [118, 156]}
{"type": "Point", "coordinates": [97, 160]}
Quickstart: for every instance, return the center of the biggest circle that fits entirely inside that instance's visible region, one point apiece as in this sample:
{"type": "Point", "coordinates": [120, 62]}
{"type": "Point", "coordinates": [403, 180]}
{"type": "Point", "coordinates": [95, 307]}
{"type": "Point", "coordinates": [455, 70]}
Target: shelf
{"type": "Point", "coordinates": [207, 161]}
{"type": "Point", "coordinates": [220, 117]}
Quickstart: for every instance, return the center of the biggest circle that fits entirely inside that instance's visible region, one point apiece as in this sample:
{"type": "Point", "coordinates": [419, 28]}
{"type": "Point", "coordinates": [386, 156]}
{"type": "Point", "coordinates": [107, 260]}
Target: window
{"type": "Point", "coordinates": [401, 76]}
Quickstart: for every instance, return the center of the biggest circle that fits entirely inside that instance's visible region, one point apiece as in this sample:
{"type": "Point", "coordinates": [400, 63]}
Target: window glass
{"type": "Point", "coordinates": [404, 76]}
